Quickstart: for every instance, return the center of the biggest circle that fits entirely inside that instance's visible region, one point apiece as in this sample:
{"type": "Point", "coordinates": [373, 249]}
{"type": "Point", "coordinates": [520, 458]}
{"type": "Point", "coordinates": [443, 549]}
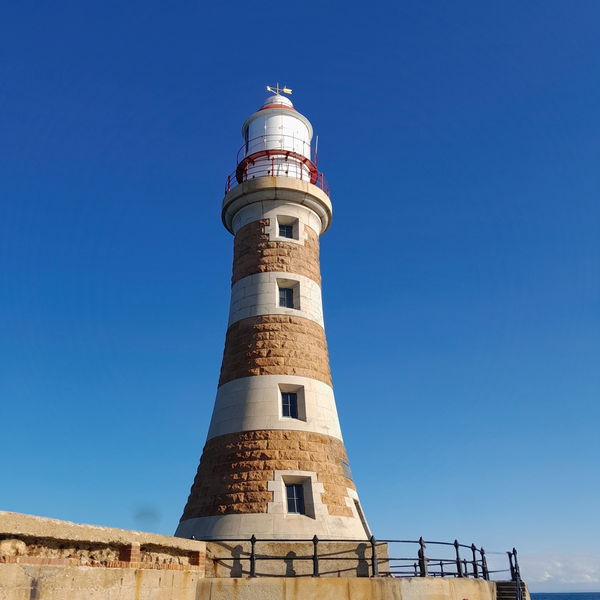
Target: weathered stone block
{"type": "Point", "coordinates": [253, 252]}
{"type": "Point", "coordinates": [229, 493]}
{"type": "Point", "coordinates": [297, 346]}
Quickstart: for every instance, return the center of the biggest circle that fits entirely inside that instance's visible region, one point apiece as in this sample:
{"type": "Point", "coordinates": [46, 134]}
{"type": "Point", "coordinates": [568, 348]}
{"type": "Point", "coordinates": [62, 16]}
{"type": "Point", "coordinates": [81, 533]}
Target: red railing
{"type": "Point", "coordinates": [254, 171]}
{"type": "Point", "coordinates": [276, 155]}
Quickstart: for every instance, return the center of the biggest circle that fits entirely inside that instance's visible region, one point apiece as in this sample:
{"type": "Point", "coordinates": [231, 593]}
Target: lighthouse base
{"type": "Point", "coordinates": [46, 559]}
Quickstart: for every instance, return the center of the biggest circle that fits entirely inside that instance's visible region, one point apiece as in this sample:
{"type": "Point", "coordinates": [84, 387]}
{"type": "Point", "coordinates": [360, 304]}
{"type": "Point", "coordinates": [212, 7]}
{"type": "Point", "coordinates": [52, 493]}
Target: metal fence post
{"type": "Point", "coordinates": [519, 591]}
{"type": "Point", "coordinates": [512, 567]}
{"type": "Point", "coordinates": [475, 571]}
{"type": "Point", "coordinates": [374, 564]}
{"type": "Point", "coordinates": [252, 556]}
{"type": "Point", "coordinates": [422, 558]}
{"type": "Point", "coordinates": [315, 556]}
{"type": "Point", "coordinates": [459, 567]}
{"type": "Point", "coordinates": [484, 567]}
{"type": "Point", "coordinates": [517, 570]}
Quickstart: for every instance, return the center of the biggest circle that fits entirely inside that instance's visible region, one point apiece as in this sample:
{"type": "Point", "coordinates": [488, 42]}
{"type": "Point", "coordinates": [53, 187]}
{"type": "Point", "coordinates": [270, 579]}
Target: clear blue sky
{"type": "Point", "coordinates": [461, 141]}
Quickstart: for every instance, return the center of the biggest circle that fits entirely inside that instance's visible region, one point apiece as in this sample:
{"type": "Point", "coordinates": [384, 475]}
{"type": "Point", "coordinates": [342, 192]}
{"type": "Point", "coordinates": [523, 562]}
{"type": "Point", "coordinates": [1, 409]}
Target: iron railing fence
{"type": "Point", "coordinates": [253, 172]}
{"type": "Point", "coordinates": [450, 559]}
{"type": "Point", "coordinates": [277, 155]}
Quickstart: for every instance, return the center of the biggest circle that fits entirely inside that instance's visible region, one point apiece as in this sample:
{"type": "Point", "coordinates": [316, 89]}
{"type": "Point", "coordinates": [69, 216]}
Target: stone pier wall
{"type": "Point", "coordinates": [29, 540]}
{"type": "Point", "coordinates": [46, 559]}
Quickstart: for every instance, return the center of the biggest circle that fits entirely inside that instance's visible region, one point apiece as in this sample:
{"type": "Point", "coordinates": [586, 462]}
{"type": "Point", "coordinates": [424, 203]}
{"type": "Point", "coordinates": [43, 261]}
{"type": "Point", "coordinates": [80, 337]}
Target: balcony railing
{"type": "Point", "coordinates": [276, 155]}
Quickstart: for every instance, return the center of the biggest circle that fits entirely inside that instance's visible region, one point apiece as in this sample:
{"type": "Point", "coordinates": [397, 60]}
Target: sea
{"type": "Point", "coordinates": [567, 596]}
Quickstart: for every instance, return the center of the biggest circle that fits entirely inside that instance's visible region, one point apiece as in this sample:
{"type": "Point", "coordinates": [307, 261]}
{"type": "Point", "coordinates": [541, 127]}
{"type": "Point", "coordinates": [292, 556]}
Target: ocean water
{"type": "Point", "coordinates": [567, 596]}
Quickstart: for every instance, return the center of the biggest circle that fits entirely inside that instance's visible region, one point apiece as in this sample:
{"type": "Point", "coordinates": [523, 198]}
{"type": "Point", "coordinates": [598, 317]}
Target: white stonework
{"type": "Point", "coordinates": [258, 294]}
{"type": "Point", "coordinates": [272, 209]}
{"type": "Point", "coordinates": [269, 525]}
{"type": "Point", "coordinates": [252, 403]}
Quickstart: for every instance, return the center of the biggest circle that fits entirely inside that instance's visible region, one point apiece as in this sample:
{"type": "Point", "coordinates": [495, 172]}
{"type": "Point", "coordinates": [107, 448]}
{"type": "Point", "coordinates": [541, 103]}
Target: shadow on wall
{"type": "Point", "coordinates": [290, 559]}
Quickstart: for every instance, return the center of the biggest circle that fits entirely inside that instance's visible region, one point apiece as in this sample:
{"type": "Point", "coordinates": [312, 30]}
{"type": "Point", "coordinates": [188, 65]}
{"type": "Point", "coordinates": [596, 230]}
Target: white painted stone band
{"type": "Point", "coordinates": [265, 190]}
{"type": "Point", "coordinates": [280, 525]}
{"type": "Point", "coordinates": [251, 403]}
{"type": "Point", "coordinates": [258, 294]}
{"type": "Point", "coordinates": [273, 209]}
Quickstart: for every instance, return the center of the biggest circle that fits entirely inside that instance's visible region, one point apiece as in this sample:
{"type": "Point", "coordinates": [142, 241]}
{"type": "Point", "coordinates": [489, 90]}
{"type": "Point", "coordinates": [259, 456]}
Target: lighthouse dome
{"type": "Point", "coordinates": [277, 99]}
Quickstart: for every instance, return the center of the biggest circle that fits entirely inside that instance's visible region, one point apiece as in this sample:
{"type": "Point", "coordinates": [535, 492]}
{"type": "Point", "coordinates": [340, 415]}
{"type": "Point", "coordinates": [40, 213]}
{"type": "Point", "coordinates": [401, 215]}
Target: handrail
{"type": "Point", "coordinates": [255, 171]}
{"type": "Point", "coordinates": [474, 566]}
{"type": "Point", "coordinates": [516, 575]}
{"type": "Point", "coordinates": [276, 155]}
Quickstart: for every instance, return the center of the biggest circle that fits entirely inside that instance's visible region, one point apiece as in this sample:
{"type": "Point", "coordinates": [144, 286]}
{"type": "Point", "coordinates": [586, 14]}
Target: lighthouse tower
{"type": "Point", "coordinates": [274, 463]}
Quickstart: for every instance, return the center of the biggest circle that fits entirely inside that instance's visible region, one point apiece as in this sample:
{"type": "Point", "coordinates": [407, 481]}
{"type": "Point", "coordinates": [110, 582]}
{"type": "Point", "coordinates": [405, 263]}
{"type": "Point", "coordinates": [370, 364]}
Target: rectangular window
{"type": "Point", "coordinates": [292, 402]}
{"type": "Point", "coordinates": [289, 404]}
{"type": "Point", "coordinates": [287, 227]}
{"type": "Point", "coordinates": [286, 231]}
{"type": "Point", "coordinates": [286, 297]}
{"type": "Point", "coordinates": [295, 498]}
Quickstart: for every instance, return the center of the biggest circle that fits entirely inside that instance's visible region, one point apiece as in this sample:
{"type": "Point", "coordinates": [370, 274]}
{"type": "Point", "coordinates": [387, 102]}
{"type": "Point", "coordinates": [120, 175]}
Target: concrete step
{"type": "Point", "coordinates": [506, 590]}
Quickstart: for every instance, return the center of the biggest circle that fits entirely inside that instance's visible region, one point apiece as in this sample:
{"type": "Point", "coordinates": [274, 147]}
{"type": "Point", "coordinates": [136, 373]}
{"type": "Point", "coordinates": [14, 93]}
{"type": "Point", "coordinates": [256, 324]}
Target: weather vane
{"type": "Point", "coordinates": [277, 90]}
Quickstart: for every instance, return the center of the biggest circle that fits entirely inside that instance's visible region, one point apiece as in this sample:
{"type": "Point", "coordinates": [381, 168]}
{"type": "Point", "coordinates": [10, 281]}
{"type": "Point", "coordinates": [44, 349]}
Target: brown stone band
{"type": "Point", "coordinates": [275, 345]}
{"type": "Point", "coordinates": [235, 469]}
{"type": "Point", "coordinates": [253, 252]}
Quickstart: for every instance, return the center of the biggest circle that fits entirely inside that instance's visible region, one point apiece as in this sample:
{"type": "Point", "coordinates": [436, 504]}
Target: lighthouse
{"type": "Point", "coordinates": [274, 463]}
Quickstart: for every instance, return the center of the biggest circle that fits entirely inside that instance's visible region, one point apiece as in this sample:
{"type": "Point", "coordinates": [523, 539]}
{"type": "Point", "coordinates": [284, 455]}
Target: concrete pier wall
{"type": "Point", "coordinates": [44, 582]}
